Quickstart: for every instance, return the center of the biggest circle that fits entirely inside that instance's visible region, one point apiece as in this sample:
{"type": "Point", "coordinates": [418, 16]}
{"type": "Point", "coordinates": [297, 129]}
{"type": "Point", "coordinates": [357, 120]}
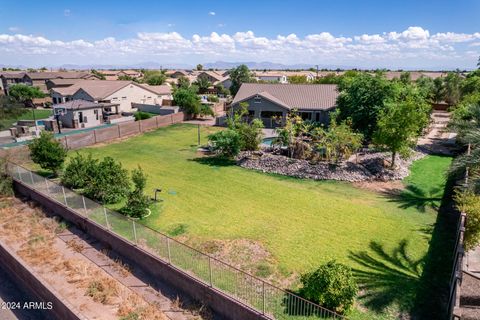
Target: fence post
{"type": "Point", "coordinates": [64, 196]}
{"type": "Point", "coordinates": [168, 250]}
{"type": "Point", "coordinates": [46, 185]}
{"type": "Point", "coordinates": [94, 136]}
{"type": "Point", "coordinates": [119, 134]}
{"type": "Point", "coordinates": [19, 175]}
{"type": "Point", "coordinates": [210, 270]}
{"type": "Point", "coordinates": [84, 205]}
{"type": "Point", "coordinates": [134, 232]}
{"type": "Point", "coordinates": [156, 121]}
{"type": "Point", "coordinates": [31, 178]}
{"type": "Point", "coordinates": [263, 297]}
{"type": "Point", "coordinates": [106, 218]}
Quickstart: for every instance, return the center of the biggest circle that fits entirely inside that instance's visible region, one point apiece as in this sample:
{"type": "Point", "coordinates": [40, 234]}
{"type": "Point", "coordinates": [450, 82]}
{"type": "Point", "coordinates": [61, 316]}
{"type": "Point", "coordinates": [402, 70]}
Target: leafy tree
{"type": "Point", "coordinates": [183, 82]}
{"type": "Point", "coordinates": [452, 83]}
{"type": "Point", "coordinates": [206, 110]}
{"type": "Point", "coordinates": [297, 79]}
{"type": "Point", "coordinates": [439, 90]}
{"type": "Point", "coordinates": [405, 77]}
{"type": "Point", "coordinates": [250, 133]}
{"type": "Point", "coordinates": [47, 152]}
{"type": "Point", "coordinates": [199, 67]}
{"type": "Point", "coordinates": [330, 78]}
{"type": "Point", "coordinates": [401, 122]}
{"type": "Point", "coordinates": [332, 286]}
{"type": "Point", "coordinates": [79, 171]}
{"type": "Point", "coordinates": [125, 77]}
{"type": "Point", "coordinates": [225, 143]}
{"type": "Point", "coordinates": [470, 85]}
{"type": "Point", "coordinates": [6, 182]}
{"type": "Point", "coordinates": [109, 182]}
{"type": "Point", "coordinates": [25, 94]}
{"type": "Point", "coordinates": [188, 100]}
{"type": "Point", "coordinates": [239, 75]}
{"type": "Point", "coordinates": [137, 201]}
{"type": "Point", "coordinates": [154, 77]}
{"type": "Point", "coordinates": [212, 98]}
{"type": "Point", "coordinates": [426, 87]}
{"type": "Point", "coordinates": [469, 203]}
{"type": "Point", "coordinates": [100, 75]}
{"type": "Point", "coordinates": [338, 142]}
{"type": "Point", "coordinates": [362, 99]}
{"type": "Point", "coordinates": [203, 84]}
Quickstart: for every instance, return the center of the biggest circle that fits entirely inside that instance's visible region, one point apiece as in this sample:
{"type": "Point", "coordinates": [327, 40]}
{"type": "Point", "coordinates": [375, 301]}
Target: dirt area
{"type": "Point", "coordinates": [100, 288]}
{"type": "Point", "coordinates": [384, 187]}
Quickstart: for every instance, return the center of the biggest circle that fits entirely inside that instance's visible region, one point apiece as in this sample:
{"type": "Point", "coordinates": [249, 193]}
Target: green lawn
{"type": "Point", "coordinates": [7, 121]}
{"type": "Point", "coordinates": [302, 223]}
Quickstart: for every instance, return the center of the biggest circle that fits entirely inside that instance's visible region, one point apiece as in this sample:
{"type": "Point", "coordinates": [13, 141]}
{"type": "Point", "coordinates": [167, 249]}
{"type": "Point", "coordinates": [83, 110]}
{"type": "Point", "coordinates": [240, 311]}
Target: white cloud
{"type": "Point", "coordinates": [413, 44]}
{"type": "Point", "coordinates": [211, 13]}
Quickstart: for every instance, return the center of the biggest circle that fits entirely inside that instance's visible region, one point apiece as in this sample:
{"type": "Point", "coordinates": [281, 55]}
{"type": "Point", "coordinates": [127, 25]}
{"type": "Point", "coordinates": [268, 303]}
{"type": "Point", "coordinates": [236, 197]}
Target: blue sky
{"type": "Point", "coordinates": [396, 34]}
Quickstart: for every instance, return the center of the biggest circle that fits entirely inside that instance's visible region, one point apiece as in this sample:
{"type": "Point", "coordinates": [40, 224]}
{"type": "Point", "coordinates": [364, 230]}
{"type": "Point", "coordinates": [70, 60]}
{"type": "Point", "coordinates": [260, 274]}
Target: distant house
{"type": "Point", "coordinates": [9, 78]}
{"type": "Point", "coordinates": [274, 101]}
{"type": "Point", "coordinates": [177, 73]}
{"type": "Point", "coordinates": [215, 78]}
{"type": "Point", "coordinates": [123, 93]}
{"type": "Point", "coordinates": [83, 114]}
{"type": "Point", "coordinates": [114, 74]}
{"type": "Point", "coordinates": [271, 76]}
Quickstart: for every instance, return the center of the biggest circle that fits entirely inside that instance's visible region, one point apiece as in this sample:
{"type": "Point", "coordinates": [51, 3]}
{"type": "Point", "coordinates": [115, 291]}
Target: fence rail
{"type": "Point", "coordinates": [458, 260]}
{"type": "Point", "coordinates": [267, 299]}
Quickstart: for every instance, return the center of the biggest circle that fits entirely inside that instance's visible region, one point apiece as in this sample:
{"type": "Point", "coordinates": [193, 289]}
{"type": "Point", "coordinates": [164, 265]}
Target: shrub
{"type": "Point", "coordinates": [250, 133]}
{"type": "Point", "coordinates": [212, 98]}
{"type": "Point", "coordinates": [332, 286]}
{"type": "Point", "coordinates": [140, 115]}
{"type": "Point", "coordinates": [469, 203]}
{"type": "Point", "coordinates": [225, 143]}
{"type": "Point", "coordinates": [206, 110]}
{"type": "Point", "coordinates": [79, 171]}
{"type": "Point", "coordinates": [188, 100]}
{"type": "Point", "coordinates": [5, 180]}
{"type": "Point", "coordinates": [47, 152]}
{"type": "Point", "coordinates": [137, 202]}
{"type": "Point", "coordinates": [109, 182]}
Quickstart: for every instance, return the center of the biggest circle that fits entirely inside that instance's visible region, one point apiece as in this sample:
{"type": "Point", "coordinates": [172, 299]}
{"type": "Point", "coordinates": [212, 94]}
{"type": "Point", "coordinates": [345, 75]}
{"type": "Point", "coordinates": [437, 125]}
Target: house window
{"type": "Point", "coordinates": [124, 98]}
{"type": "Point", "coordinates": [96, 114]}
{"type": "Point", "coordinates": [306, 115]}
{"type": "Point", "coordinates": [80, 117]}
{"type": "Point", "coordinates": [114, 98]}
{"type": "Point", "coordinates": [54, 100]}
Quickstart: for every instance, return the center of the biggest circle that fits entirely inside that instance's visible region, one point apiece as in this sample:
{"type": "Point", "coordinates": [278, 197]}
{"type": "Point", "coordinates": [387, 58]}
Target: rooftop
{"type": "Point", "coordinates": [82, 105]}
{"type": "Point", "coordinates": [290, 96]}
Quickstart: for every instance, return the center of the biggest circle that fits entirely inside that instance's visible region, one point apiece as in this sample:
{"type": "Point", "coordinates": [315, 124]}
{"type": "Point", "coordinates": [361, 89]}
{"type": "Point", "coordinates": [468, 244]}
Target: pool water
{"type": "Point", "coordinates": [268, 141]}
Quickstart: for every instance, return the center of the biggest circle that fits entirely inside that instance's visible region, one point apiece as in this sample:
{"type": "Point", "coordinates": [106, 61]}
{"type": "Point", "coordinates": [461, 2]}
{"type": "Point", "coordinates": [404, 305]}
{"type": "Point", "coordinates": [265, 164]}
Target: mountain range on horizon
{"type": "Point", "coordinates": [265, 65]}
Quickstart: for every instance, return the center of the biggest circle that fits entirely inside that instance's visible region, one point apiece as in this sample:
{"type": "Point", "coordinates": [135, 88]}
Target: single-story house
{"type": "Point", "coordinates": [114, 74]}
{"type": "Point", "coordinates": [123, 93]}
{"type": "Point", "coordinates": [270, 101]}
{"type": "Point", "coordinates": [216, 78]}
{"type": "Point", "coordinates": [83, 114]}
{"type": "Point", "coordinates": [270, 76]}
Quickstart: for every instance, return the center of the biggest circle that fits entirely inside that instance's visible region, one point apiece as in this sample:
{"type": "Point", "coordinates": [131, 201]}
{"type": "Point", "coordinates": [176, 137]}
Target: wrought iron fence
{"type": "Point", "coordinates": [269, 300]}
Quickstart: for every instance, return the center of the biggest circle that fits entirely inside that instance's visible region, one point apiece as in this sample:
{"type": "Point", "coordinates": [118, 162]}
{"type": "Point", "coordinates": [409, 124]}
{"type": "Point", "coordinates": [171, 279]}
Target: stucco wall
{"type": "Point", "coordinates": [133, 94]}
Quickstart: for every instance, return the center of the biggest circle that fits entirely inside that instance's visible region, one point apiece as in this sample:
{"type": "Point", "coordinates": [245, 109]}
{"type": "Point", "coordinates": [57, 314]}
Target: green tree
{"type": "Point", "coordinates": [203, 84]}
{"type": "Point", "coordinates": [6, 182]}
{"type": "Point", "coordinates": [250, 132]}
{"type": "Point", "coordinates": [439, 90]}
{"type": "Point", "coordinates": [225, 143]}
{"type": "Point", "coordinates": [125, 77]}
{"type": "Point", "coordinates": [239, 75]}
{"type": "Point", "coordinates": [405, 77]}
{"type": "Point", "coordinates": [154, 77]}
{"type": "Point", "coordinates": [297, 79]}
{"type": "Point", "coordinates": [362, 99]}
{"type": "Point", "coordinates": [426, 87]}
{"type": "Point", "coordinates": [188, 100]}
{"type": "Point", "coordinates": [25, 94]}
{"type": "Point", "coordinates": [109, 182]}
{"type": "Point", "coordinates": [470, 85]}
{"type": "Point", "coordinates": [47, 152]}
{"type": "Point", "coordinates": [469, 203]}
{"type": "Point", "coordinates": [183, 82]}
{"type": "Point", "coordinates": [332, 286]}
{"type": "Point", "coordinates": [98, 74]}
{"type": "Point", "coordinates": [401, 122]}
{"type": "Point", "coordinates": [138, 202]}
{"type": "Point", "coordinates": [79, 171]}
{"type": "Point", "coordinates": [452, 83]}
{"type": "Point", "coordinates": [199, 67]}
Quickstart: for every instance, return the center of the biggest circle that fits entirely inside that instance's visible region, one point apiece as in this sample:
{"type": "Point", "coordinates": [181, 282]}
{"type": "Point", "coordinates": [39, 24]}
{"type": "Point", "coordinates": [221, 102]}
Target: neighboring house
{"type": "Point", "coordinates": [61, 83]}
{"type": "Point", "coordinates": [177, 73]}
{"type": "Point", "coordinates": [9, 78]}
{"type": "Point", "coordinates": [270, 76]}
{"type": "Point", "coordinates": [39, 79]}
{"type": "Point", "coordinates": [123, 93]}
{"type": "Point", "coordinates": [415, 75]}
{"type": "Point", "coordinates": [114, 74]}
{"type": "Point", "coordinates": [275, 101]}
{"type": "Point", "coordinates": [309, 75]}
{"type": "Point", "coordinates": [83, 114]}
{"type": "Point", "coordinates": [215, 78]}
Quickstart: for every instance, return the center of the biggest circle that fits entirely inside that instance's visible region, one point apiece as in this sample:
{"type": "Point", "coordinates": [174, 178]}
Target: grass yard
{"type": "Point", "coordinates": [7, 121]}
{"type": "Point", "coordinates": [300, 224]}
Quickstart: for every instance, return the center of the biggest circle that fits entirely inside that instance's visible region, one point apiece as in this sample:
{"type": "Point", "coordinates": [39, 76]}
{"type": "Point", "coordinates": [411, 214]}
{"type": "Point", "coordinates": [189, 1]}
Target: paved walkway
{"type": "Point", "coordinates": [439, 140]}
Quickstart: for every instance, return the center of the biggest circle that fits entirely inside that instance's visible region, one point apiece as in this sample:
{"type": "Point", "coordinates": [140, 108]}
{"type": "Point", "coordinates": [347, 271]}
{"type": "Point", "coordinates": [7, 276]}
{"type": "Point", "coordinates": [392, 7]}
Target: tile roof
{"type": "Point", "coordinates": [300, 96]}
{"type": "Point", "coordinates": [59, 74]}
{"type": "Point", "coordinates": [161, 90]}
{"type": "Point", "coordinates": [83, 104]}
{"type": "Point", "coordinates": [97, 89]}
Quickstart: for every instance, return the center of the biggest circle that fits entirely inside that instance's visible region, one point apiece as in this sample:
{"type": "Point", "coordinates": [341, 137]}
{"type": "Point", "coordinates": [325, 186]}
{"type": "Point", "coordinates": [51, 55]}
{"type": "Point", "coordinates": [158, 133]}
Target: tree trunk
{"type": "Point", "coordinates": [394, 153]}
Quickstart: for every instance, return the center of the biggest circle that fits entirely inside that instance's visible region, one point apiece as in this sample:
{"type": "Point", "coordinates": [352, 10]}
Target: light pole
{"type": "Point", "coordinates": [198, 133]}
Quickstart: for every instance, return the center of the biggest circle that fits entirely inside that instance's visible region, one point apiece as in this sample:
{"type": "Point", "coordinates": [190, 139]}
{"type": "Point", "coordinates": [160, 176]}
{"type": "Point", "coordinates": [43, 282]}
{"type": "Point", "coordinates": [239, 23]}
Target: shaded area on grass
{"type": "Point", "coordinates": [415, 197]}
{"type": "Point", "coordinates": [214, 161]}
{"type": "Point", "coordinates": [419, 287]}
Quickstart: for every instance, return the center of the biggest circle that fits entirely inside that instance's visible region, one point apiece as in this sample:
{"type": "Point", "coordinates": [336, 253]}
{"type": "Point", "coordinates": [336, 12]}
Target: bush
{"type": "Point", "coordinates": [6, 186]}
{"type": "Point", "coordinates": [212, 98]}
{"type": "Point", "coordinates": [109, 182]}
{"type": "Point", "coordinates": [250, 133]}
{"type": "Point", "coordinates": [137, 202]}
{"type": "Point", "coordinates": [225, 143]}
{"type": "Point", "coordinates": [47, 152]}
{"type": "Point", "coordinates": [79, 171]}
{"type": "Point", "coordinates": [206, 110]}
{"type": "Point", "coordinates": [332, 286]}
{"type": "Point", "coordinates": [469, 203]}
{"type": "Point", "coordinates": [140, 115]}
